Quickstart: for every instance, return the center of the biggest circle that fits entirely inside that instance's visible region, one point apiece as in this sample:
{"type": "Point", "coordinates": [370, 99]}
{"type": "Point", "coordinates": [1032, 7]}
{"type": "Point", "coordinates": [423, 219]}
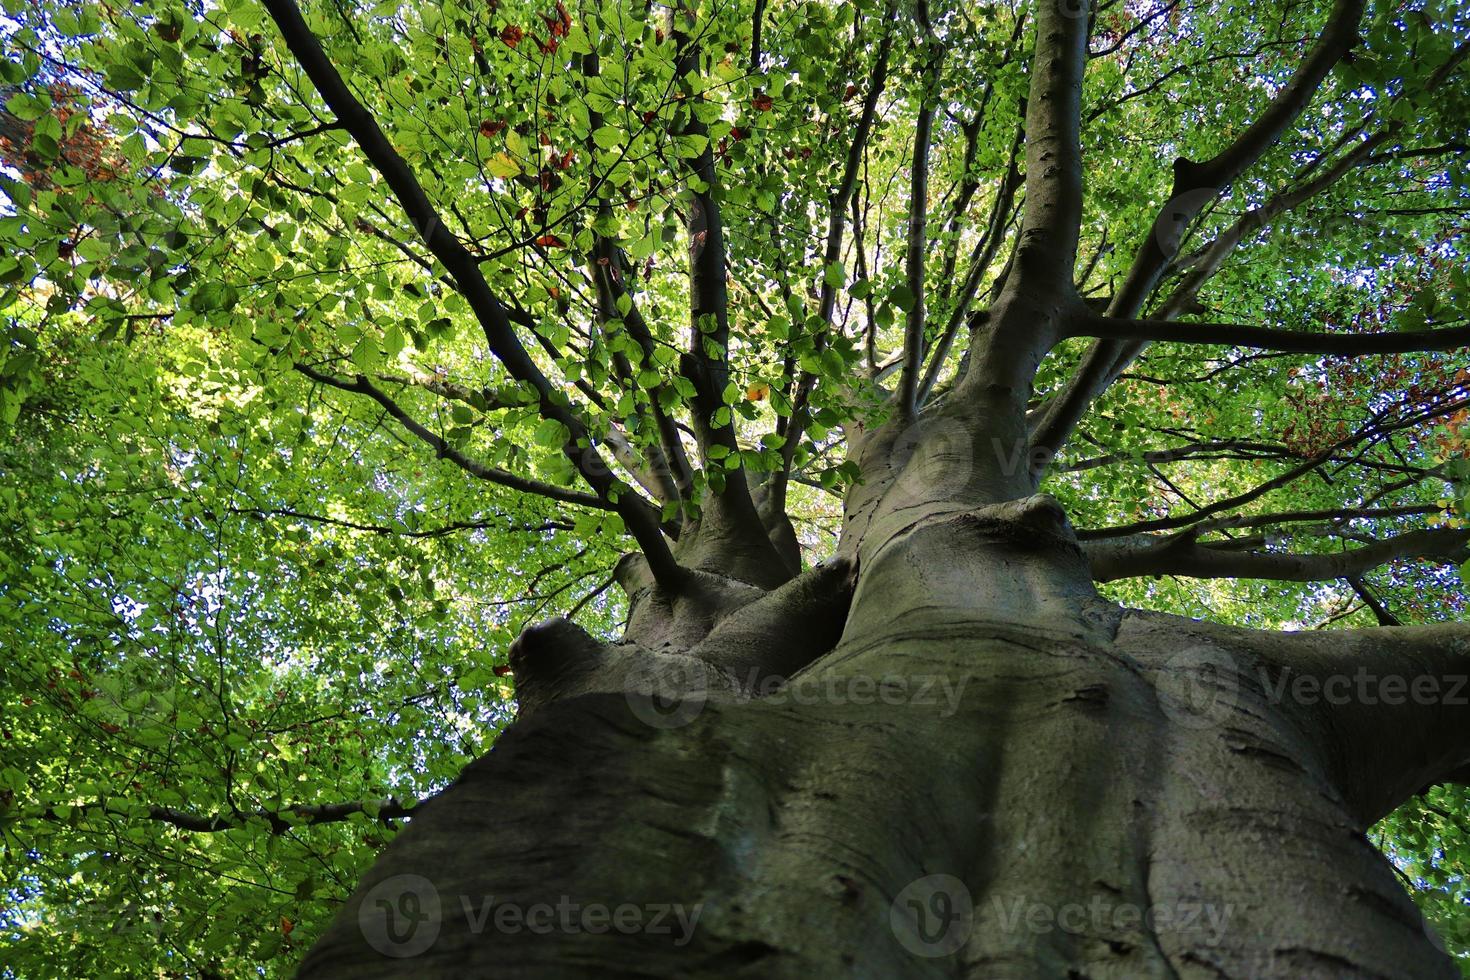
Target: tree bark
{"type": "Point", "coordinates": [978, 768]}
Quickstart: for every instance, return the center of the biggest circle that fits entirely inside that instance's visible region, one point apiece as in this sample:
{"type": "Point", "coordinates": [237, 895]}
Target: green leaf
{"type": "Point", "coordinates": [551, 434]}
{"type": "Point", "coordinates": [502, 165]}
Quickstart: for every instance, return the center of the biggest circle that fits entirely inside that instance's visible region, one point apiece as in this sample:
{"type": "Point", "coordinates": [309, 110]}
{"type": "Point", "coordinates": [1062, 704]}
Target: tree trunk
{"type": "Point", "coordinates": [992, 772]}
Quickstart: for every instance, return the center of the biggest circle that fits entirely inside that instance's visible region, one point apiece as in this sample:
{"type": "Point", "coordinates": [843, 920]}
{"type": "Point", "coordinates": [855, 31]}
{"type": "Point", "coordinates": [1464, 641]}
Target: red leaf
{"type": "Point", "coordinates": [762, 102]}
{"type": "Point", "coordinates": [502, 671]}
{"type": "Point", "coordinates": [550, 241]}
{"type": "Point", "coordinates": [512, 35]}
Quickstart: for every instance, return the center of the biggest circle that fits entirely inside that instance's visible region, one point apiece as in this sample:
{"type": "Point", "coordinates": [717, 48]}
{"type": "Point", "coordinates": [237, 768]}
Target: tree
{"type": "Point", "coordinates": [907, 353]}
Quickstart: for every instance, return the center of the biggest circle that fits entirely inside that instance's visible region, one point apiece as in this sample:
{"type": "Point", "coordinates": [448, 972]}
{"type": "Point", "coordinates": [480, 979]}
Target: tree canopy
{"type": "Point", "coordinates": [342, 341]}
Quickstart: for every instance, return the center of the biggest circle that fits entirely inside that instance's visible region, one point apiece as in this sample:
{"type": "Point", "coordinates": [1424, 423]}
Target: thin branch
{"type": "Point", "coordinates": [841, 199]}
{"type": "Point", "coordinates": [1380, 611]}
{"type": "Point", "coordinates": [706, 362]}
{"type": "Point", "coordinates": [362, 386]}
{"type": "Point", "coordinates": [641, 518]}
{"type": "Point", "coordinates": [985, 251]}
{"type": "Point", "coordinates": [1265, 338]}
{"type": "Point", "coordinates": [453, 527]}
{"type": "Point", "coordinates": [918, 247]}
{"type": "Point", "coordinates": [280, 821]}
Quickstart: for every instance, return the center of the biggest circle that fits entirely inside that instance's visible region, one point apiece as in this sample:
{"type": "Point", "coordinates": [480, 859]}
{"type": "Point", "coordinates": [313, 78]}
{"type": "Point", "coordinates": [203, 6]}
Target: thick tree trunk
{"type": "Point", "coordinates": [992, 773]}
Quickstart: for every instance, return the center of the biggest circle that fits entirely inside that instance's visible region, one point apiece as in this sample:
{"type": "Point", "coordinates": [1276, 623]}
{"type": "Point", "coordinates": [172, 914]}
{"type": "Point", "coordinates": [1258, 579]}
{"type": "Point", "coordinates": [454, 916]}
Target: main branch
{"type": "Point", "coordinates": [642, 521]}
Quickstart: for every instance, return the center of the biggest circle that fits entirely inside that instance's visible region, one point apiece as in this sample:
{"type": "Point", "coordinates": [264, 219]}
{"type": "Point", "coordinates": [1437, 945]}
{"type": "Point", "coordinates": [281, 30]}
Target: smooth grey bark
{"type": "Point", "coordinates": [1108, 793]}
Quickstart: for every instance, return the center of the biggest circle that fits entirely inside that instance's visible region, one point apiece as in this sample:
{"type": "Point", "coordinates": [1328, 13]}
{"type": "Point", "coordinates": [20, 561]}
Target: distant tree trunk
{"type": "Point", "coordinates": [977, 768]}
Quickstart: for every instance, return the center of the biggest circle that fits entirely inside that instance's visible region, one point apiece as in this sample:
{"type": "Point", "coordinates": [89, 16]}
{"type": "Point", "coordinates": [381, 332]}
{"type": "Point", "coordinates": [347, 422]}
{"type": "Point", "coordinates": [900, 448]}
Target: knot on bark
{"type": "Point", "coordinates": [1035, 521]}
{"type": "Point", "coordinates": [551, 657]}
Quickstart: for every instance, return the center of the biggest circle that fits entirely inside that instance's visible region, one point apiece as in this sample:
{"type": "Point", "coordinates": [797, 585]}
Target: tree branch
{"type": "Point", "coordinates": [918, 246]}
{"type": "Point", "coordinates": [669, 477]}
{"type": "Point", "coordinates": [280, 821]}
{"type": "Point", "coordinates": [1394, 704]}
{"type": "Point", "coordinates": [1148, 554]}
{"type": "Point", "coordinates": [1195, 186]}
{"type": "Point", "coordinates": [836, 231]}
{"type": "Point", "coordinates": [641, 519]}
{"type": "Point", "coordinates": [1265, 338]}
{"type": "Point", "coordinates": [730, 510]}
{"type": "Point", "coordinates": [1047, 251]}
{"type": "Point", "coordinates": [1380, 611]}
{"type": "Point", "coordinates": [453, 527]}
{"type": "Point", "coordinates": [985, 250]}
{"type": "Point", "coordinates": [362, 386]}
{"type": "Point", "coordinates": [1340, 515]}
